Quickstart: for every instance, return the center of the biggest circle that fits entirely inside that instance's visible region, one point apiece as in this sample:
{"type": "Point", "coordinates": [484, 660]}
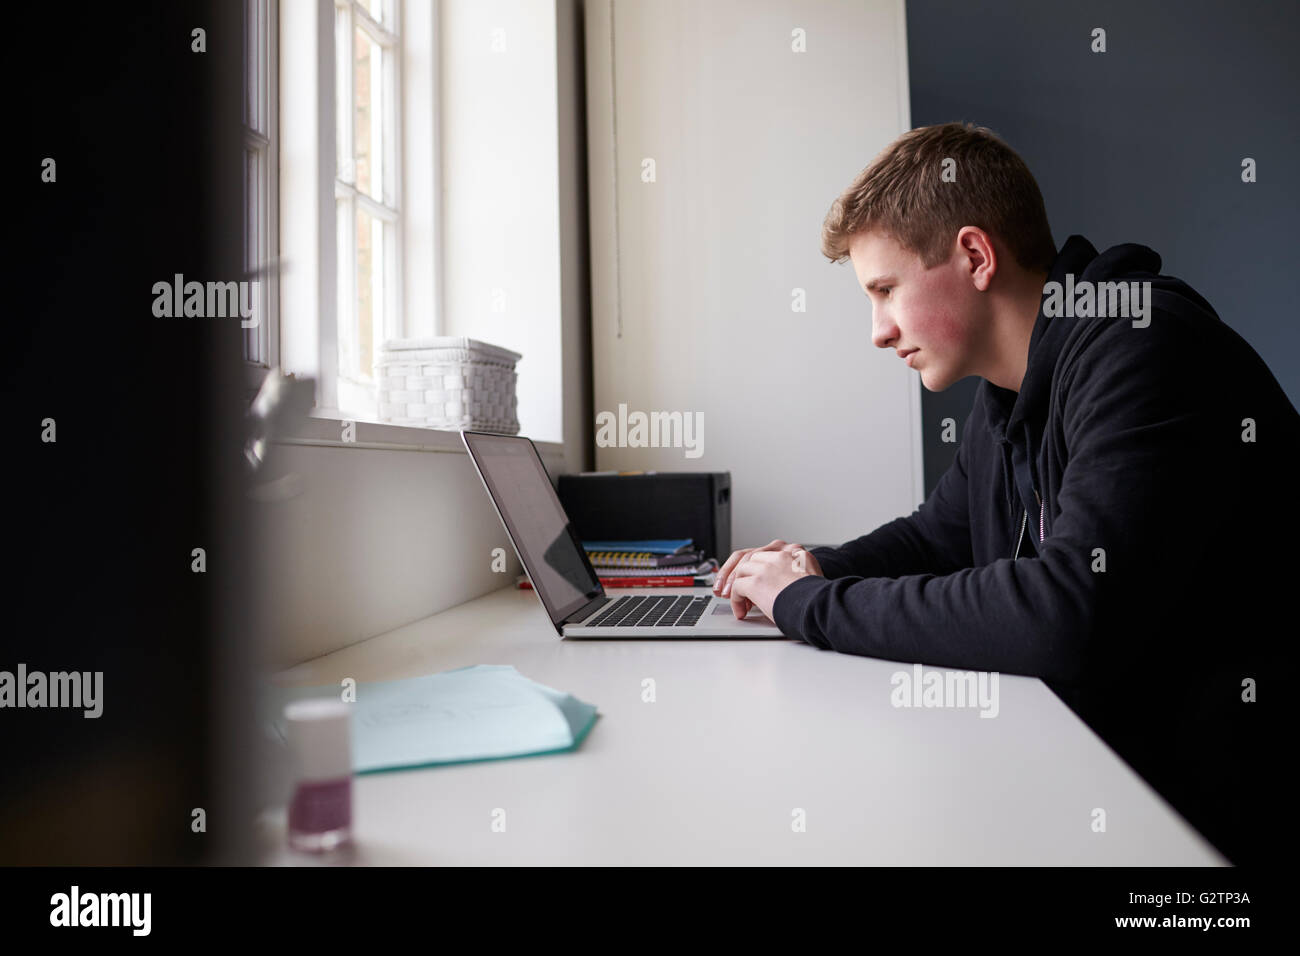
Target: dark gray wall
{"type": "Point", "coordinates": [1142, 143]}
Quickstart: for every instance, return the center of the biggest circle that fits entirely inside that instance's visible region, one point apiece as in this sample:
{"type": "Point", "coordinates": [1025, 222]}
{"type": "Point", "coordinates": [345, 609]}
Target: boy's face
{"type": "Point", "coordinates": [938, 312]}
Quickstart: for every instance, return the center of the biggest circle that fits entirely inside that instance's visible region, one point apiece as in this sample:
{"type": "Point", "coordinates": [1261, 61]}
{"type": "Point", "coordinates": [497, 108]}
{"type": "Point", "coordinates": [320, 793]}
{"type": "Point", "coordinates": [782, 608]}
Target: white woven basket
{"type": "Point", "coordinates": [448, 382]}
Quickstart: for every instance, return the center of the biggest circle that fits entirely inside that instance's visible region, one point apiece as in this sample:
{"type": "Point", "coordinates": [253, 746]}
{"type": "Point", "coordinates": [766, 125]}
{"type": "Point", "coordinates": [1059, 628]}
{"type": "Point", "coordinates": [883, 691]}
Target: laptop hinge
{"type": "Point", "coordinates": [584, 612]}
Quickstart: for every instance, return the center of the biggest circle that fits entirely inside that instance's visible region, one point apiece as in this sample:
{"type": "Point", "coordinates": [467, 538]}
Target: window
{"type": "Point", "coordinates": [367, 192]}
{"type": "Point", "coordinates": [260, 177]}
{"type": "Point", "coordinates": [372, 247]}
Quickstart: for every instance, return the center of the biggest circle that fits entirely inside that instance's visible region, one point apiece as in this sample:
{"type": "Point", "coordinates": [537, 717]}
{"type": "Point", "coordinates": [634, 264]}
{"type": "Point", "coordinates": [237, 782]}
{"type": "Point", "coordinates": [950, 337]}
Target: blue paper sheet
{"type": "Point", "coordinates": [652, 546]}
{"type": "Point", "coordinates": [484, 712]}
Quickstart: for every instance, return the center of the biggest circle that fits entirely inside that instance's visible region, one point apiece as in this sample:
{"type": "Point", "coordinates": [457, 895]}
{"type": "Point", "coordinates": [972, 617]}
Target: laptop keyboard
{"type": "Point", "coordinates": [643, 610]}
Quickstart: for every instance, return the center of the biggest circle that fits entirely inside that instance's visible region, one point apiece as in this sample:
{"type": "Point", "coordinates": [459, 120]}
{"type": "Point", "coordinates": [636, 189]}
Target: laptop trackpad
{"type": "Point", "coordinates": [724, 607]}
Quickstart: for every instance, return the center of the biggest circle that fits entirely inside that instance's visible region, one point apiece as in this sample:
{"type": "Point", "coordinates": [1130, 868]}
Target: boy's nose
{"type": "Point", "coordinates": [884, 335]}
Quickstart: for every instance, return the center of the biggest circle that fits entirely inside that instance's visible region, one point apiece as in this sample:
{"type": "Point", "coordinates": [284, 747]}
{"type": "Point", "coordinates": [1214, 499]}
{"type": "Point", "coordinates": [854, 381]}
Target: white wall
{"type": "Point", "coordinates": [752, 142]}
{"type": "Point", "coordinates": [367, 540]}
{"type": "Point", "coordinates": [500, 174]}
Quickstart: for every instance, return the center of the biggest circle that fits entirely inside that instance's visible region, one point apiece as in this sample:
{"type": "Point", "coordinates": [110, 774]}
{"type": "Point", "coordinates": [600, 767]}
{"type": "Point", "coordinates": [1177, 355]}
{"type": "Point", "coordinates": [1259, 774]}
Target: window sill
{"type": "Point", "coordinates": [254, 374]}
{"type": "Point", "coordinates": [323, 428]}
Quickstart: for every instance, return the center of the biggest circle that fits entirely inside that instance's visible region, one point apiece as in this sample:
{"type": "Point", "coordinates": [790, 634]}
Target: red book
{"type": "Point", "coordinates": [674, 581]}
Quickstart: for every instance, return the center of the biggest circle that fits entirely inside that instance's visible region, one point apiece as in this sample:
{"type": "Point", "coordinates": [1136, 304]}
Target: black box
{"type": "Point", "coordinates": [694, 505]}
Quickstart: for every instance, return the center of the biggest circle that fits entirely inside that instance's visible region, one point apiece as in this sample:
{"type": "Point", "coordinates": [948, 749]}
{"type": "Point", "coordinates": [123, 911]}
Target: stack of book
{"type": "Point", "coordinates": [647, 564]}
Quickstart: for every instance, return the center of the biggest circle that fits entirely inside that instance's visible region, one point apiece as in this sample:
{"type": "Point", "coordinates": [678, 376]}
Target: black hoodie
{"type": "Point", "coordinates": [1145, 477]}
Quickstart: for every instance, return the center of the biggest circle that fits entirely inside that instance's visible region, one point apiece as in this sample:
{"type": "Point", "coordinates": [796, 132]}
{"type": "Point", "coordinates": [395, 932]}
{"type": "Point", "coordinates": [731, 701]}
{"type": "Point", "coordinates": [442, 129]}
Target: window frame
{"type": "Point", "coordinates": [260, 123]}
{"type": "Point", "coordinates": [309, 195]}
{"type": "Point", "coordinates": [357, 394]}
{"type": "Point", "coordinates": [307, 228]}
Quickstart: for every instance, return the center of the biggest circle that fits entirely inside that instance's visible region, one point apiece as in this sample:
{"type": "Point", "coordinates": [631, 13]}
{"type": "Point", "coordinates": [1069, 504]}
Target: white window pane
{"type": "Point", "coordinates": [377, 280]}
{"type": "Point", "coordinates": [251, 180]}
{"type": "Point", "coordinates": [346, 274]}
{"type": "Point", "coordinates": [343, 160]}
{"type": "Point", "coordinates": [375, 8]}
{"type": "Point", "coordinates": [250, 64]}
{"type": "Point", "coordinates": [256, 65]}
{"type": "Point", "coordinates": [369, 123]}
{"type": "Point", "coordinates": [370, 291]}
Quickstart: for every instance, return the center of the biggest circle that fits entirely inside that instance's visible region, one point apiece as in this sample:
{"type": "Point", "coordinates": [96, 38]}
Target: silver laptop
{"type": "Point", "coordinates": [552, 554]}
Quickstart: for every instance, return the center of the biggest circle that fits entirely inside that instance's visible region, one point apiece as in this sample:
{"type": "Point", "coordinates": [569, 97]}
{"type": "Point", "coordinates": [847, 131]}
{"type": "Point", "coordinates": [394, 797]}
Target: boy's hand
{"type": "Point", "coordinates": [755, 576]}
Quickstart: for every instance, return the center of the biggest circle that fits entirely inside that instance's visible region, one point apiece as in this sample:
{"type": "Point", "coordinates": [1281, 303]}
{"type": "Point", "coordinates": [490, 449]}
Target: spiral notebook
{"type": "Point", "coordinates": [650, 546]}
{"type": "Point", "coordinates": [605, 560]}
{"type": "Point", "coordinates": [647, 571]}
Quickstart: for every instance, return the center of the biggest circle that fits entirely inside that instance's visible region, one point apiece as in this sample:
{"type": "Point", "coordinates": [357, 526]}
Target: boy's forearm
{"type": "Point", "coordinates": [895, 549]}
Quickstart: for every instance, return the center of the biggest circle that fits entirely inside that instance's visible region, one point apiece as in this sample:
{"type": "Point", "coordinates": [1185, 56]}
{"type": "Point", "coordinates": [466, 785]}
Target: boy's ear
{"type": "Point", "coordinates": [979, 258]}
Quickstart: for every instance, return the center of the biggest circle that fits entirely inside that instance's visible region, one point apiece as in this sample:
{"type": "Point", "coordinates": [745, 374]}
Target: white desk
{"type": "Point", "coordinates": [741, 734]}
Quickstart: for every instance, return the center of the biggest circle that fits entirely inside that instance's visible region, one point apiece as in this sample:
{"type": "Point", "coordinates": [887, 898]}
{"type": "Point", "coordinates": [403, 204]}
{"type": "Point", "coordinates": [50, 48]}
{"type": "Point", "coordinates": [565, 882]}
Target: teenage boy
{"type": "Point", "coordinates": [1120, 519]}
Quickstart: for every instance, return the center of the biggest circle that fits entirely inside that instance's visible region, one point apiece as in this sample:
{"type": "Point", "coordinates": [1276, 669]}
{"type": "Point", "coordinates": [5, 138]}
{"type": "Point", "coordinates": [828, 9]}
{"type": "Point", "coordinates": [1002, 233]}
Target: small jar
{"type": "Point", "coordinates": [320, 750]}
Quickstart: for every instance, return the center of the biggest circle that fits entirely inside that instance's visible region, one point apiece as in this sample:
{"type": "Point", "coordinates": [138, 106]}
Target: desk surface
{"type": "Point", "coordinates": [741, 734]}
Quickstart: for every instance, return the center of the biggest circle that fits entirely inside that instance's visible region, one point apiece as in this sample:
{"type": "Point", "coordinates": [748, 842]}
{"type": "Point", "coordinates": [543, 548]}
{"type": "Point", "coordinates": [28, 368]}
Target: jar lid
{"type": "Point", "coordinates": [319, 732]}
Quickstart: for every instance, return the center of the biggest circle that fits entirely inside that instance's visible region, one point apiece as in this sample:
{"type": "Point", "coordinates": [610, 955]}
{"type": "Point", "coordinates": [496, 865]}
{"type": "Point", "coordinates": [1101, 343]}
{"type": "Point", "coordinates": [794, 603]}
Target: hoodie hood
{"type": "Point", "coordinates": [1016, 420]}
{"type": "Point", "coordinates": [1078, 257]}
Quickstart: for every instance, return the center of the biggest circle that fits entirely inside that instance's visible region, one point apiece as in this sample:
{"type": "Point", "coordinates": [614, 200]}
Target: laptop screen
{"type": "Point", "coordinates": [548, 546]}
